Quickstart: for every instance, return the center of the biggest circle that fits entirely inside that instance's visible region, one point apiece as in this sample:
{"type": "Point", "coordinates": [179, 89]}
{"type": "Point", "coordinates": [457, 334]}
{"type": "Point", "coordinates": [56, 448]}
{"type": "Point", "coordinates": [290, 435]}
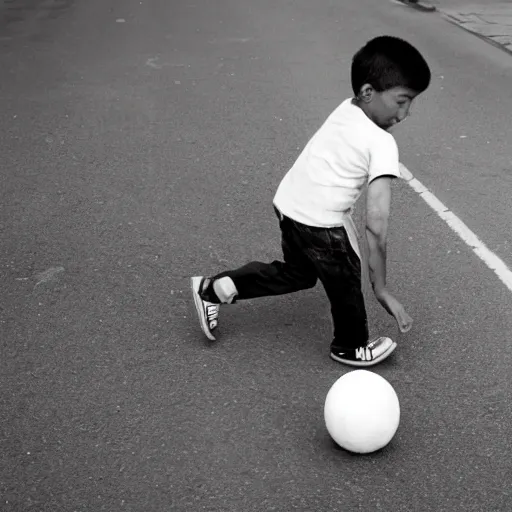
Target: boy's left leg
{"type": "Point", "coordinates": [255, 279]}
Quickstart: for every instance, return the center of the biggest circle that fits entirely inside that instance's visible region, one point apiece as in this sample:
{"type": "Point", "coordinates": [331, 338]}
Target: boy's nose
{"type": "Point", "coordinates": [402, 114]}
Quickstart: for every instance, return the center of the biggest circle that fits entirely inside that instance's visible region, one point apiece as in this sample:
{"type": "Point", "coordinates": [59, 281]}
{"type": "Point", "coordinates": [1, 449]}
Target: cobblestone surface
{"type": "Point", "coordinates": [491, 20]}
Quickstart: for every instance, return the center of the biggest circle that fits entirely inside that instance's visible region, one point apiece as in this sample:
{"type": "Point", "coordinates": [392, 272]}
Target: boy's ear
{"type": "Point", "coordinates": [366, 93]}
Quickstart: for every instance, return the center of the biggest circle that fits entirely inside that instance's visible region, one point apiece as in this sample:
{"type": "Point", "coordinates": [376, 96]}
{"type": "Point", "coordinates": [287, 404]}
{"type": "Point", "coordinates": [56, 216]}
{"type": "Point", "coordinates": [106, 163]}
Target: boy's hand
{"type": "Point", "coordinates": [395, 309]}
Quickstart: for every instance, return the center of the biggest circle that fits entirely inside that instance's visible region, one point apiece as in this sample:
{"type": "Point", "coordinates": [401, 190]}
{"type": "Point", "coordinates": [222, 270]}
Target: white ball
{"type": "Point", "coordinates": [362, 411]}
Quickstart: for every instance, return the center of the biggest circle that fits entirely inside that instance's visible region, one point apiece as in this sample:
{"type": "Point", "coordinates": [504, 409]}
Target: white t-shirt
{"type": "Point", "coordinates": [348, 151]}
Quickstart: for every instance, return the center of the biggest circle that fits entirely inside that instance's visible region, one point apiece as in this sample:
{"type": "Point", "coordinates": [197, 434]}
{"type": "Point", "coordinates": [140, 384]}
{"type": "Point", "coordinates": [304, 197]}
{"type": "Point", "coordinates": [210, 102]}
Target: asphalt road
{"type": "Point", "coordinates": [142, 142]}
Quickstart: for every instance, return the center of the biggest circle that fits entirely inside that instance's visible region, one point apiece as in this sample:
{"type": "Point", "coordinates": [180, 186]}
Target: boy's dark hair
{"type": "Point", "coordinates": [386, 62]}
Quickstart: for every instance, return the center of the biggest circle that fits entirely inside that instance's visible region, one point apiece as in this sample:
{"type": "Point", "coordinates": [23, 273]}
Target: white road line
{"type": "Point", "coordinates": [479, 248]}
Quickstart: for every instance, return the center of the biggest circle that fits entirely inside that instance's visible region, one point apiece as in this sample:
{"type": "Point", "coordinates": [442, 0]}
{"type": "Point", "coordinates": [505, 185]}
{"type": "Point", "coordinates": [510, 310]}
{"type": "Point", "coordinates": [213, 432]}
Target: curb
{"type": "Point", "coordinates": [455, 21]}
{"type": "Point", "coordinates": [419, 5]}
{"type": "Point", "coordinates": [451, 17]}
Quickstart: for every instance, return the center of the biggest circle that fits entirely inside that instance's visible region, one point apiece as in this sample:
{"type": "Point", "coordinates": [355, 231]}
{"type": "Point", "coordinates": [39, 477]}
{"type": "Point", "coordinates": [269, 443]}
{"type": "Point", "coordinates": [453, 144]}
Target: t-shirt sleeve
{"type": "Point", "coordinates": [384, 159]}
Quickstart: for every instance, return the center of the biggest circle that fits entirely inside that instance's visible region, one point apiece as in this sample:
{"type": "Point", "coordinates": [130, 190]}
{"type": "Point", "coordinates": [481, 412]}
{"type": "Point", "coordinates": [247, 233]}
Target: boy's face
{"type": "Point", "coordinates": [386, 108]}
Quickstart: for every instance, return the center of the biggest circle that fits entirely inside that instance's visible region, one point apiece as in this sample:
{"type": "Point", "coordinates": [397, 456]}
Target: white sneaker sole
{"type": "Point", "coordinates": [195, 283]}
{"type": "Point", "coordinates": [365, 363]}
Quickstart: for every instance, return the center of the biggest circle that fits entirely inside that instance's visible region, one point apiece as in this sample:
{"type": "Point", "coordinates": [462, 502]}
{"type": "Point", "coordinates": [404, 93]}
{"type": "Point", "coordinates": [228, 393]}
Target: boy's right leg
{"type": "Point", "coordinates": [255, 279]}
{"type": "Point", "coordinates": [339, 269]}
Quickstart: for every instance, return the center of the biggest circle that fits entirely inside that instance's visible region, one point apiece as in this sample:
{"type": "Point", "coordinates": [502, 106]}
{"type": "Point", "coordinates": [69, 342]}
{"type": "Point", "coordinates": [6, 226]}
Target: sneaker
{"type": "Point", "coordinates": [208, 312]}
{"type": "Point", "coordinates": [373, 353]}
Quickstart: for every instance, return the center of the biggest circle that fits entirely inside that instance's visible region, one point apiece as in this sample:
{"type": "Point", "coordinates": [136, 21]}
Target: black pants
{"type": "Point", "coordinates": [312, 253]}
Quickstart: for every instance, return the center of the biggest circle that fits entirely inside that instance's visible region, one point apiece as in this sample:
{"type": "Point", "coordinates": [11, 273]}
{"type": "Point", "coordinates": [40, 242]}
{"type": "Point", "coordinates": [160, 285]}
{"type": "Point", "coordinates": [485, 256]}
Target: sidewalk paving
{"type": "Point", "coordinates": [491, 20]}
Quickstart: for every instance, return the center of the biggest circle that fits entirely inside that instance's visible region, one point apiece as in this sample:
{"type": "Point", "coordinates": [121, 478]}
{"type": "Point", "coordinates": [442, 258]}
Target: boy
{"type": "Point", "coordinates": [314, 203]}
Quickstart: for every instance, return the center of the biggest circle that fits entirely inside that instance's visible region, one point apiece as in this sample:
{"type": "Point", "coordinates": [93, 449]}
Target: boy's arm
{"type": "Point", "coordinates": [377, 215]}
